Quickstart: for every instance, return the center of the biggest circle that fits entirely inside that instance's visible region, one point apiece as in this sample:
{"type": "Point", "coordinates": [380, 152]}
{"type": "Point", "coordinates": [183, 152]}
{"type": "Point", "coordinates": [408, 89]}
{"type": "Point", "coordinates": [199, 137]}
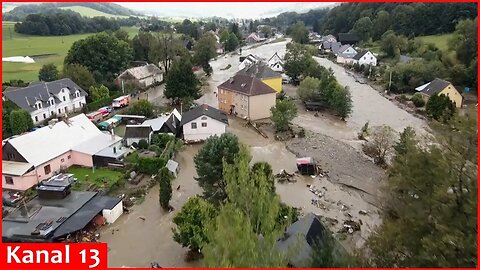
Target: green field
{"type": "Point", "coordinates": [441, 41]}
{"type": "Point", "coordinates": [48, 49]}
{"type": "Point", "coordinates": [90, 12]}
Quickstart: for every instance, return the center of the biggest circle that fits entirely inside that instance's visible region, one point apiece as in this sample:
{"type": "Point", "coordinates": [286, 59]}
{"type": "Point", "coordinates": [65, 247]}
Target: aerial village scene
{"type": "Point", "coordinates": [243, 134]}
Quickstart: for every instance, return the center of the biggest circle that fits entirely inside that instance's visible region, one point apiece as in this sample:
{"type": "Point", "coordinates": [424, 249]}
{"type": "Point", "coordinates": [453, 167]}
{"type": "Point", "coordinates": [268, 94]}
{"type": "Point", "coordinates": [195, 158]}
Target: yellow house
{"type": "Point", "coordinates": [265, 74]}
{"type": "Point", "coordinates": [441, 87]}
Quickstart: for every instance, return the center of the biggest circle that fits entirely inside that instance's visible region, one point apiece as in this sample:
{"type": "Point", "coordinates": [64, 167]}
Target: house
{"type": "Point", "coordinates": [38, 155]}
{"type": "Point", "coordinates": [333, 47]}
{"type": "Point", "coordinates": [275, 63]}
{"type": "Point", "coordinates": [202, 122]}
{"type": "Point", "coordinates": [135, 133]}
{"type": "Point", "coordinates": [441, 87]}
{"type": "Point", "coordinates": [57, 212]}
{"type": "Point", "coordinates": [365, 58]}
{"type": "Point", "coordinates": [142, 77]}
{"type": "Point", "coordinates": [300, 239]}
{"type": "Point", "coordinates": [247, 61]}
{"type": "Point", "coordinates": [169, 124]}
{"type": "Point", "coordinates": [347, 51]}
{"type": "Point", "coordinates": [44, 100]}
{"type": "Point", "coordinates": [261, 71]}
{"type": "Point", "coordinates": [348, 38]}
{"type": "Point", "coordinates": [247, 97]}
{"type": "Point", "coordinates": [345, 59]}
{"type": "Point", "coordinates": [255, 38]}
{"type": "Point", "coordinates": [329, 38]}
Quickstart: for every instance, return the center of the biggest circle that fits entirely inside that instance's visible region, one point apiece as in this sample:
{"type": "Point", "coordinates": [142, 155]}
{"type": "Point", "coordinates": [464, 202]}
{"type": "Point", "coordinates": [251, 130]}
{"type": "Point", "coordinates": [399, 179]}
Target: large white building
{"type": "Point", "coordinates": [44, 100]}
{"type": "Point", "coordinates": [202, 122]}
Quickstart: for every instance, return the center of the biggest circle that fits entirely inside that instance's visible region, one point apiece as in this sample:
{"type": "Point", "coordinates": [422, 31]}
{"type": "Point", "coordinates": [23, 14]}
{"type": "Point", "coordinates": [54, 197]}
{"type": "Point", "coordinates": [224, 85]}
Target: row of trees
{"type": "Point", "coordinates": [318, 84]}
{"type": "Point", "coordinates": [63, 22]}
{"type": "Point", "coordinates": [430, 215]}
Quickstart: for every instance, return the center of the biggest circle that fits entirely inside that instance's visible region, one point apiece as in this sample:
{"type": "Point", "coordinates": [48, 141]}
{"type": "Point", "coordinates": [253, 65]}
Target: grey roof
{"type": "Point", "coordinates": [344, 48]}
{"type": "Point", "coordinates": [348, 38]}
{"type": "Point", "coordinates": [259, 70]}
{"type": "Point", "coordinates": [201, 110]}
{"type": "Point", "coordinates": [142, 72]}
{"type": "Point", "coordinates": [247, 85]}
{"type": "Point", "coordinates": [26, 97]}
{"type": "Point", "coordinates": [335, 46]}
{"type": "Point", "coordinates": [359, 55]}
{"type": "Point", "coordinates": [435, 86]}
{"type": "Point", "coordinates": [299, 239]}
{"type": "Point", "coordinates": [137, 131]}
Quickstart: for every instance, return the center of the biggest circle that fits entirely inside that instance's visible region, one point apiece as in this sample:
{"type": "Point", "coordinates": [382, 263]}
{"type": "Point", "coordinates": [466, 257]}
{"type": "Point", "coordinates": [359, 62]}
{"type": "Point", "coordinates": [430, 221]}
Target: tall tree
{"type": "Point", "coordinates": [205, 50]}
{"type": "Point", "coordinates": [98, 93]}
{"type": "Point", "coordinates": [236, 31]}
{"type": "Point", "coordinates": [103, 54]}
{"type": "Point", "coordinates": [440, 107]}
{"type": "Point", "coordinates": [209, 165]}
{"type": "Point", "coordinates": [296, 60]}
{"type": "Point", "coordinates": [20, 121]}
{"type": "Point", "coordinates": [363, 28]}
{"type": "Point", "coordinates": [283, 113]}
{"type": "Point", "coordinates": [232, 43]}
{"type": "Point", "coordinates": [80, 75]}
{"type": "Point", "coordinates": [182, 84]}
{"type": "Point", "coordinates": [165, 180]}
{"type": "Point", "coordinates": [166, 49]}
{"type": "Point", "coordinates": [381, 24]}
{"type": "Point", "coordinates": [464, 41]}
{"type": "Point", "coordinates": [299, 33]}
{"type": "Point", "coordinates": [142, 44]}
{"type": "Point", "coordinates": [48, 73]}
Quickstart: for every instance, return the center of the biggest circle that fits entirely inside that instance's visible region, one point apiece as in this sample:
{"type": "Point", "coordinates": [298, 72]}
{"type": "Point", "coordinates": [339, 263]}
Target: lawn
{"type": "Point", "coordinates": [44, 49]}
{"type": "Point", "coordinates": [441, 41]}
{"type": "Point", "coordinates": [100, 178]}
{"type": "Point", "coordinates": [90, 12]}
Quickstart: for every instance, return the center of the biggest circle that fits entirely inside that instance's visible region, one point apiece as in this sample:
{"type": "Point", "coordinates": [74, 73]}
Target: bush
{"type": "Point", "coordinates": [440, 107]}
{"type": "Point", "coordinates": [418, 100]}
{"type": "Point", "coordinates": [154, 148]}
{"type": "Point", "coordinates": [150, 165]}
{"type": "Point", "coordinates": [403, 98]}
{"type": "Point", "coordinates": [143, 144]}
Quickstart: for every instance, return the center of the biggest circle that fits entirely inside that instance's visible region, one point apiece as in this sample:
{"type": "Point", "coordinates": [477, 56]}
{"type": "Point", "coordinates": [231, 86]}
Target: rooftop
{"type": "Point", "coordinates": [433, 87]}
{"type": "Point", "coordinates": [201, 110]}
{"type": "Point", "coordinates": [247, 85]}
{"type": "Point", "coordinates": [259, 71]}
{"type": "Point", "coordinates": [142, 71]}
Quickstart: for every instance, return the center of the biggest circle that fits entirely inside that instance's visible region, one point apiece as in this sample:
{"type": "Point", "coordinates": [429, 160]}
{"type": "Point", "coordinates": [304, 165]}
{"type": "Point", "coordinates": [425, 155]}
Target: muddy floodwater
{"type": "Point", "coordinates": [134, 242]}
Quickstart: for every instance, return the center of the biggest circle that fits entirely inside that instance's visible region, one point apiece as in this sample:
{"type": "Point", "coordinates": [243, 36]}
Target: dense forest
{"type": "Point", "coordinates": [21, 12]}
{"type": "Point", "coordinates": [64, 22]}
{"type": "Point", "coordinates": [409, 19]}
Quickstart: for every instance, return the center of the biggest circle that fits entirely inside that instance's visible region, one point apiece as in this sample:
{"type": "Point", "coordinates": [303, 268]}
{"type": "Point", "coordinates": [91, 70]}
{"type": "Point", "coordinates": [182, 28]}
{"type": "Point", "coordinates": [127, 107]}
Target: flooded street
{"type": "Point", "coordinates": [137, 243]}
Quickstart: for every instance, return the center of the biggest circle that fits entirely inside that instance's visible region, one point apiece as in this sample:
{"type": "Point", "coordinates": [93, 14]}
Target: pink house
{"type": "Point", "coordinates": [38, 155]}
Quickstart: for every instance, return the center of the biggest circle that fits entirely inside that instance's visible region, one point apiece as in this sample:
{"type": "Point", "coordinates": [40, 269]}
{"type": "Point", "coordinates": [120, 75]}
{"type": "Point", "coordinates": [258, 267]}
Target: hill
{"type": "Point", "coordinates": [106, 9]}
{"type": "Point", "coordinates": [90, 12]}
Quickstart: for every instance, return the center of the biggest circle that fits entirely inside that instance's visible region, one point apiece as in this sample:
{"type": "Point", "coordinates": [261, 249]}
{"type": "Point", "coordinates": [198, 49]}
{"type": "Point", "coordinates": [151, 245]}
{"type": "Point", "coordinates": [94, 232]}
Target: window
{"type": "Point", "coordinates": [194, 125]}
{"type": "Point", "coordinates": [62, 160]}
{"type": "Point", "coordinates": [66, 109]}
{"type": "Point", "coordinates": [36, 118]}
{"type": "Point", "coordinates": [79, 104]}
{"type": "Point", "coordinates": [59, 110]}
{"type": "Point", "coordinates": [204, 124]}
{"type": "Point", "coordinates": [51, 101]}
{"type": "Point", "coordinates": [9, 180]}
{"type": "Point", "coordinates": [69, 156]}
{"type": "Point", "coordinates": [10, 156]}
{"type": "Point", "coordinates": [64, 99]}
{"type": "Point", "coordinates": [52, 113]}
{"type": "Point", "coordinates": [47, 169]}
{"type": "Point", "coordinates": [44, 116]}
{"type": "Point", "coordinates": [371, 57]}
{"type": "Point", "coordinates": [204, 118]}
{"type": "Point", "coordinates": [77, 94]}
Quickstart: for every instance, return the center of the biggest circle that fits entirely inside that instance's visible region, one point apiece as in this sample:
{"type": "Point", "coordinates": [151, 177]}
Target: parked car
{"type": "Point", "coordinates": [121, 102]}
{"type": "Point", "coordinates": [95, 116]}
{"type": "Point", "coordinates": [105, 111]}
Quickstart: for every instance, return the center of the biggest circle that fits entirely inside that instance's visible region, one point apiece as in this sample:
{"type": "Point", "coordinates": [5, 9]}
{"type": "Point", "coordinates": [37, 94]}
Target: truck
{"type": "Point", "coordinates": [95, 116]}
{"type": "Point", "coordinates": [121, 102]}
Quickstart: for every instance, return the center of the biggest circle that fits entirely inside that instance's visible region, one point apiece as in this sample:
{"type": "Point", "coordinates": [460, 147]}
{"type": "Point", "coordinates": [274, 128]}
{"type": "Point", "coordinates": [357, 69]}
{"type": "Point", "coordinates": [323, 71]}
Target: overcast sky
{"type": "Point", "coordinates": [221, 9]}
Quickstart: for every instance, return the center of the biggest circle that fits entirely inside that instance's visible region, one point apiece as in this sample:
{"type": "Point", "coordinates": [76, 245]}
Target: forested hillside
{"type": "Point", "coordinates": [21, 12]}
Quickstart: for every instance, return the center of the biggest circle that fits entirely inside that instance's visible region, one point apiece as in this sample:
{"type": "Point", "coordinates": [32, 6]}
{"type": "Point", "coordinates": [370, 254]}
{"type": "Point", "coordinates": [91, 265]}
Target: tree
{"type": "Point", "coordinates": [142, 44]}
{"type": "Point", "coordinates": [121, 34]}
{"type": "Point", "coordinates": [182, 83]}
{"type": "Point", "coordinates": [267, 30]}
{"type": "Point", "coordinates": [143, 144]}
{"type": "Point", "coordinates": [407, 139]}
{"type": "Point", "coordinates": [232, 43]}
{"type": "Point", "coordinates": [142, 107]}
{"type": "Point", "coordinates": [103, 54]}
{"type": "Point", "coordinates": [48, 73]}
{"type": "Point", "coordinates": [165, 180]}
{"type": "Point", "coordinates": [20, 121]}
{"type": "Point", "coordinates": [363, 28]}
{"type": "Point", "coordinates": [98, 93]}
{"type": "Point", "coordinates": [380, 144]}
{"type": "Point", "coordinates": [209, 165]}
{"type": "Point", "coordinates": [418, 100]}
{"type": "Point", "coordinates": [392, 44]}
{"type": "Point", "coordinates": [236, 31]}
{"type": "Point", "coordinates": [79, 75]}
{"type": "Point", "coordinates": [299, 33]}
{"type": "Point", "coordinates": [440, 107]}
{"type": "Point", "coordinates": [464, 41]}
{"type": "Point", "coordinates": [381, 24]}
{"type": "Point", "coordinates": [224, 36]}
{"type": "Point", "coordinates": [430, 212]}
{"type": "Point", "coordinates": [283, 113]}
{"type": "Point", "coordinates": [192, 223]}
{"type": "Point", "coordinates": [205, 49]}
{"type": "Point", "coordinates": [296, 60]}
{"type": "Point", "coordinates": [341, 101]}
{"type": "Point", "coordinates": [308, 89]}
{"type": "Point", "coordinates": [234, 236]}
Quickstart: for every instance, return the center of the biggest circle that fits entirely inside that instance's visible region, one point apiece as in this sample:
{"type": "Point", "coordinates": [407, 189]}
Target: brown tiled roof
{"type": "Point", "coordinates": [247, 85]}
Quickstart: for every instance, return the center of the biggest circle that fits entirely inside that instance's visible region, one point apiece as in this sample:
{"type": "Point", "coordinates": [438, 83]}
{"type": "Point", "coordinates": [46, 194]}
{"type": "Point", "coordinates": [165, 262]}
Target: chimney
{"type": "Point", "coordinates": [113, 137]}
{"type": "Point", "coordinates": [231, 80]}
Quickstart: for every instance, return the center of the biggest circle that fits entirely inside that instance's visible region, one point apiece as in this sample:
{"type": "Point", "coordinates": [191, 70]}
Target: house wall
{"type": "Point", "coordinates": [368, 59]}
{"type": "Point", "coordinates": [71, 105]}
{"type": "Point", "coordinates": [275, 83]}
{"type": "Point", "coordinates": [451, 92]}
{"type": "Point", "coordinates": [225, 100]}
{"type": "Point", "coordinates": [11, 154]}
{"type": "Point", "coordinates": [82, 159]}
{"type": "Point", "coordinates": [260, 106]}
{"type": "Point", "coordinates": [112, 215]}
{"type": "Point", "coordinates": [21, 183]}
{"type": "Point", "coordinates": [56, 165]}
{"type": "Point", "coordinates": [240, 101]}
{"type": "Point", "coordinates": [343, 60]}
{"type": "Point", "coordinates": [276, 67]}
{"type": "Point", "coordinates": [213, 127]}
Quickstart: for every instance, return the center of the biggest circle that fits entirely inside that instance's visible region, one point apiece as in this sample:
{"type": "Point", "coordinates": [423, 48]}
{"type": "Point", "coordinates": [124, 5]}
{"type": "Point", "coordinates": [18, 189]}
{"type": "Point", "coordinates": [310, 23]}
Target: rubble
{"type": "Point", "coordinates": [363, 212]}
{"type": "Point", "coordinates": [284, 176]}
{"type": "Point", "coordinates": [350, 226]}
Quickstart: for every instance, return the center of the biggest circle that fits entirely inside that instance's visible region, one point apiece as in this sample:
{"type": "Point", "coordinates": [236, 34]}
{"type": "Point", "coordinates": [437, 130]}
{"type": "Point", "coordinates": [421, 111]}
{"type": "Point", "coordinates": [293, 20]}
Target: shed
{"type": "Point", "coordinates": [172, 166]}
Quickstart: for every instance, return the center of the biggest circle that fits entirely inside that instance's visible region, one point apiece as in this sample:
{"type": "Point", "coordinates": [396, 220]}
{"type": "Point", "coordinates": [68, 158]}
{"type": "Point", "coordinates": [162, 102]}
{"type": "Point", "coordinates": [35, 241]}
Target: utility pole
{"type": "Point", "coordinates": [390, 82]}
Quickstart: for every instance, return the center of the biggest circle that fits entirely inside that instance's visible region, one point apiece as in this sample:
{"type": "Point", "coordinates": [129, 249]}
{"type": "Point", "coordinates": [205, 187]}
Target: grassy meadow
{"type": "Point", "coordinates": [440, 41]}
{"type": "Point", "coordinates": [90, 12]}
{"type": "Point", "coordinates": [44, 49]}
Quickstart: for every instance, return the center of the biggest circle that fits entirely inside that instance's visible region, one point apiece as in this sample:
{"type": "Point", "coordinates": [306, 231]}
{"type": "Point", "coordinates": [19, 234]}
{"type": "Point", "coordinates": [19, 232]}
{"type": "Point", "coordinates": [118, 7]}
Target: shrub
{"type": "Point", "coordinates": [150, 165]}
{"type": "Point", "coordinates": [143, 144]}
{"type": "Point", "coordinates": [418, 100]}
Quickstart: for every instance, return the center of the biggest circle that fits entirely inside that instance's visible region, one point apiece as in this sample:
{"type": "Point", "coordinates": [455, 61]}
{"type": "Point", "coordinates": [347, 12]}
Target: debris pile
{"type": "Point", "coordinates": [350, 226]}
{"type": "Point", "coordinates": [87, 236]}
{"type": "Point", "coordinates": [284, 176]}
